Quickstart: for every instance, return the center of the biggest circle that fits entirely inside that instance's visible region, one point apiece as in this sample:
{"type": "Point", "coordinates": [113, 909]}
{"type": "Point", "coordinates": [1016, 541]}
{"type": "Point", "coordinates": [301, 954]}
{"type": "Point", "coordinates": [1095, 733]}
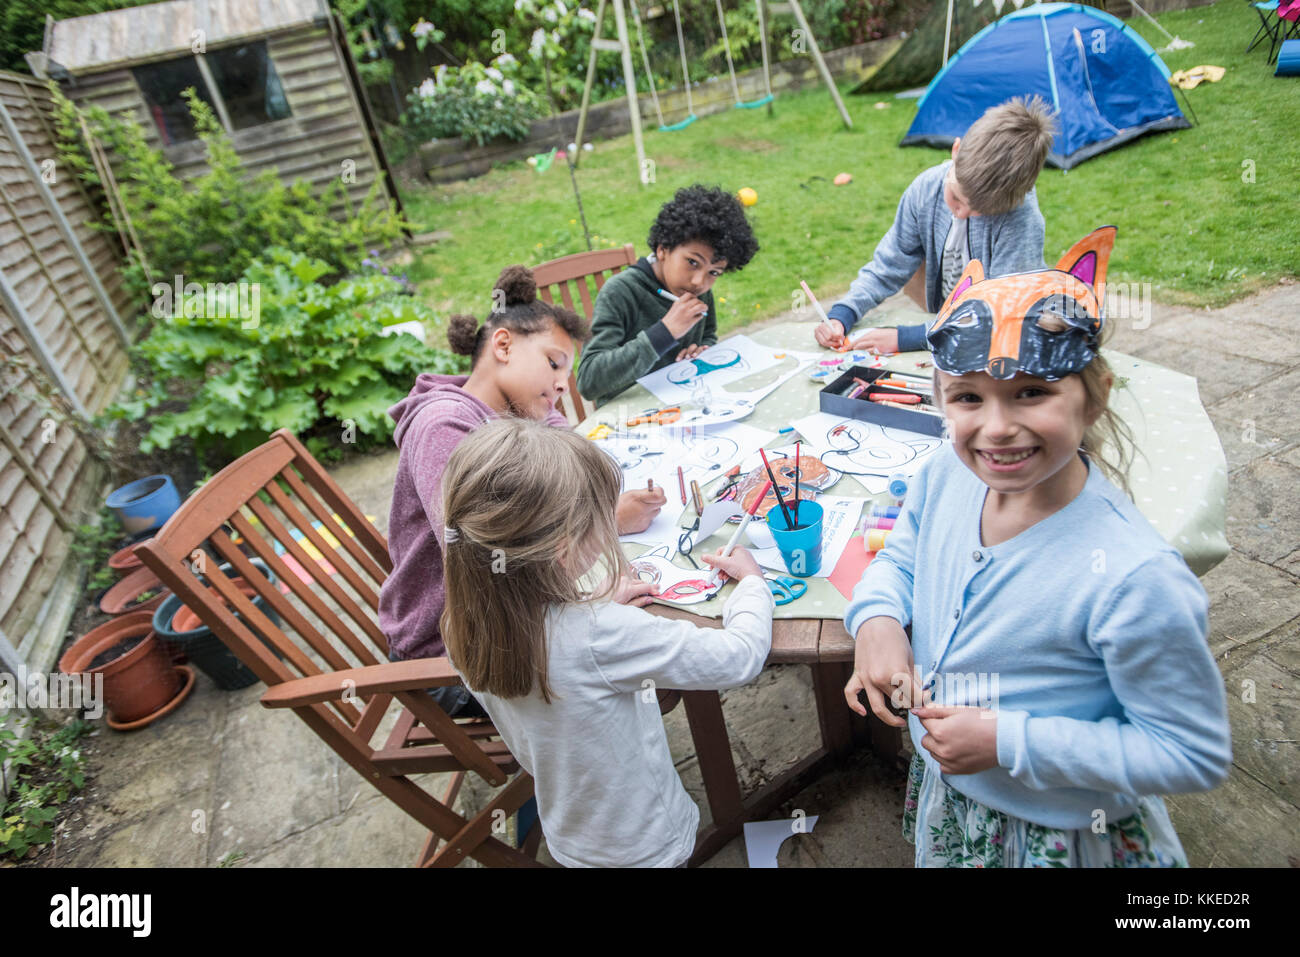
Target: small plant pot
{"type": "Point", "coordinates": [124, 561]}
{"type": "Point", "coordinates": [122, 597]}
{"type": "Point", "coordinates": [140, 682]}
{"type": "Point", "coordinates": [146, 503]}
{"type": "Point", "coordinates": [179, 627]}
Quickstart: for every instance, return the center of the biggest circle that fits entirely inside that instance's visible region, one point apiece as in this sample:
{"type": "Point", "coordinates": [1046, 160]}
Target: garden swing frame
{"type": "Point", "coordinates": [622, 46]}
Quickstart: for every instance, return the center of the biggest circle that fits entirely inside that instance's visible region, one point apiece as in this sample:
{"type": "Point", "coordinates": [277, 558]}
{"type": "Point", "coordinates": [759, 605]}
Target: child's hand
{"type": "Point", "coordinates": [883, 668]}
{"type": "Point", "coordinates": [883, 341]}
{"type": "Point", "coordinates": [690, 352]}
{"type": "Point", "coordinates": [962, 740]}
{"type": "Point", "coordinates": [736, 565]}
{"type": "Point", "coordinates": [637, 509]}
{"type": "Point", "coordinates": [829, 335]}
{"type": "Point", "coordinates": [629, 591]}
{"type": "Point", "coordinates": [684, 314]}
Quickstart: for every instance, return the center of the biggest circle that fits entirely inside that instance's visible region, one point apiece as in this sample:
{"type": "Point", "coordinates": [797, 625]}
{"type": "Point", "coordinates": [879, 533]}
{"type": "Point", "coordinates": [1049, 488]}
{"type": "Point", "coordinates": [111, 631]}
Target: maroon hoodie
{"type": "Point", "coordinates": [431, 422]}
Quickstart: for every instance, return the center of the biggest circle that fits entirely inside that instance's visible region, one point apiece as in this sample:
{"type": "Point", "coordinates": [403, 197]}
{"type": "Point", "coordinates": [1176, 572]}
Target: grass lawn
{"type": "Point", "coordinates": [1189, 223]}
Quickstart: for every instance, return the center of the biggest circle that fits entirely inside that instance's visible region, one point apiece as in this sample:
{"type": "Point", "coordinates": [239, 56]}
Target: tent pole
{"type": "Point", "coordinates": [947, 32]}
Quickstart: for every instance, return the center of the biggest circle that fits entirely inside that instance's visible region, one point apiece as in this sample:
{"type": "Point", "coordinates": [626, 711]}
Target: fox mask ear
{"type": "Point", "coordinates": [973, 273]}
{"type": "Point", "coordinates": [1088, 258]}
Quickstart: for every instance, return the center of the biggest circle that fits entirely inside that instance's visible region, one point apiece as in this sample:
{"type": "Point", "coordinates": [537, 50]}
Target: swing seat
{"type": "Point", "coordinates": [755, 104]}
{"type": "Point", "coordinates": [673, 128]}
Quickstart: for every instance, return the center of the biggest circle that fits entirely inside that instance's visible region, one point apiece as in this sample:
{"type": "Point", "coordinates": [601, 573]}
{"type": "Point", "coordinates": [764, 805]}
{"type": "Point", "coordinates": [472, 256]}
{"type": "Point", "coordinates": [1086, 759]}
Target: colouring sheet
{"type": "Point", "coordinates": [728, 361]}
{"type": "Point", "coordinates": [868, 451]}
{"type": "Point", "coordinates": [704, 454]}
{"type": "Point", "coordinates": [839, 522]}
{"type": "Point", "coordinates": [678, 586]}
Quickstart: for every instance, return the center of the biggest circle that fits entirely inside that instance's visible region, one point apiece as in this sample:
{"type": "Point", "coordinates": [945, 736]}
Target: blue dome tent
{"type": "Point", "coordinates": [1106, 84]}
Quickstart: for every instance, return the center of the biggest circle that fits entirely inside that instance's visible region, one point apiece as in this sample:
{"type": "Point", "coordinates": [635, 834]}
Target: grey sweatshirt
{"type": "Point", "coordinates": [1011, 242]}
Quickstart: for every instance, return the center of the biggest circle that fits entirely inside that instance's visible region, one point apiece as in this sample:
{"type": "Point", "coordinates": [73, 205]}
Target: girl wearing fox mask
{"type": "Point", "coordinates": [1057, 673]}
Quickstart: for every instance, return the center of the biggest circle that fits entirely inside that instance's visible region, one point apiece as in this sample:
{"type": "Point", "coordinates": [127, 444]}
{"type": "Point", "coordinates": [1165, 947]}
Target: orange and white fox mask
{"type": "Point", "coordinates": [1045, 323]}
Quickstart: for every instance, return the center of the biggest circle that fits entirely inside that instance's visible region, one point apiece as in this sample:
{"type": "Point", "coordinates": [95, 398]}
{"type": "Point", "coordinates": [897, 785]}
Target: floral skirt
{"type": "Point", "coordinates": [950, 830]}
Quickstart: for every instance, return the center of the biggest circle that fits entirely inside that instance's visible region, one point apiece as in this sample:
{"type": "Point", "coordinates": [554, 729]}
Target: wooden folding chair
{"type": "Point", "coordinates": [328, 660]}
{"type": "Point", "coordinates": [557, 276]}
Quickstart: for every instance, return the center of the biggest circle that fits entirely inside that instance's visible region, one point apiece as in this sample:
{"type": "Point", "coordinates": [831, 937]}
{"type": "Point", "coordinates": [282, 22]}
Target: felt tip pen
{"type": "Point", "coordinates": [813, 299]}
{"type": "Point", "coordinates": [671, 298]}
{"type": "Point", "coordinates": [740, 530]}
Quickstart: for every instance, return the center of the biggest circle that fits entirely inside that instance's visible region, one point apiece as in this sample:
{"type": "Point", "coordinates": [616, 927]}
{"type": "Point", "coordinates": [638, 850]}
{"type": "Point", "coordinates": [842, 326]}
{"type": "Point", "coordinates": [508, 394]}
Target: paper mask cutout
{"type": "Point", "coordinates": [1045, 323]}
{"type": "Point", "coordinates": [684, 586]}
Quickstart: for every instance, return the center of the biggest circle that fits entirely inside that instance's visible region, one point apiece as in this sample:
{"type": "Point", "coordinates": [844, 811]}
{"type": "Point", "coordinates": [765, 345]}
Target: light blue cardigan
{"type": "Point", "coordinates": [1090, 632]}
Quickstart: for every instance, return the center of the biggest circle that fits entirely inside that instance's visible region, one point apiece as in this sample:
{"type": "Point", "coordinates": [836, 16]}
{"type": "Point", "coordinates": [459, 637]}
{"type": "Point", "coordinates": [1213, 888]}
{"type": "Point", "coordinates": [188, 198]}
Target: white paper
{"type": "Point", "coordinates": [763, 839]}
{"type": "Point", "coordinates": [727, 361]}
{"type": "Point", "coordinates": [839, 522]}
{"type": "Point", "coordinates": [868, 451]}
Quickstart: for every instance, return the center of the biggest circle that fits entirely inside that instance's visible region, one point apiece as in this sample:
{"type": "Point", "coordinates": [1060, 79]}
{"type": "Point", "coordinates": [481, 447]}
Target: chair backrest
{"type": "Point", "coordinates": [559, 279]}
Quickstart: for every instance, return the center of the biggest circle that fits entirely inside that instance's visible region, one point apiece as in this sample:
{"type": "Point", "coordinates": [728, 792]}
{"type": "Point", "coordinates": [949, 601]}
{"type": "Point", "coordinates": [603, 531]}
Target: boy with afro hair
{"type": "Point", "coordinates": [635, 329]}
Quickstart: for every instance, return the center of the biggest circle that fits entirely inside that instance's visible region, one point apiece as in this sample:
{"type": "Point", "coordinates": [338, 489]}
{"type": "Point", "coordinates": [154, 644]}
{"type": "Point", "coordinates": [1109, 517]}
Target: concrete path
{"type": "Point", "coordinates": [225, 781]}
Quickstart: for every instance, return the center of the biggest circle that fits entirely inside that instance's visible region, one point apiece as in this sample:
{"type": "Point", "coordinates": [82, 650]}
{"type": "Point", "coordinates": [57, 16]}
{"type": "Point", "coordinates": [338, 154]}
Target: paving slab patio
{"type": "Point", "coordinates": [224, 781]}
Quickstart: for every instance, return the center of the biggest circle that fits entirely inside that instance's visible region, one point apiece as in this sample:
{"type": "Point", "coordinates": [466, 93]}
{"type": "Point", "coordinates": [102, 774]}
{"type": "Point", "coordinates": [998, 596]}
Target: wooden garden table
{"type": "Point", "coordinates": [1178, 482]}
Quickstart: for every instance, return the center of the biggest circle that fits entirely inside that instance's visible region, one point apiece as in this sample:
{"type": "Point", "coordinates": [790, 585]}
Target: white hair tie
{"type": "Point", "coordinates": [450, 534]}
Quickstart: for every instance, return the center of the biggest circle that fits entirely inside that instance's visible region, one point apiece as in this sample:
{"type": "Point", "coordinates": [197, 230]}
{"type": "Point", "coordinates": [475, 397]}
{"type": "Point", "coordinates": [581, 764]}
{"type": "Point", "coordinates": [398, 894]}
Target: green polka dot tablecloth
{"type": "Point", "coordinates": [1178, 479]}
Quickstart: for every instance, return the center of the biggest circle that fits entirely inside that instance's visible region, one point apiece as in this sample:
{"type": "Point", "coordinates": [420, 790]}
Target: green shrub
{"type": "Point", "coordinates": [311, 360]}
{"type": "Point", "coordinates": [476, 102]}
{"type": "Point", "coordinates": [210, 228]}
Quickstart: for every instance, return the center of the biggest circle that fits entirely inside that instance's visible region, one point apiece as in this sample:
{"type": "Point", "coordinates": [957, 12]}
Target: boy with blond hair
{"type": "Point", "coordinates": [978, 205]}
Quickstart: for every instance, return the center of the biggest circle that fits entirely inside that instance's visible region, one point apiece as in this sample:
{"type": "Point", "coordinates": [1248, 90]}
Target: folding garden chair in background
{"type": "Point", "coordinates": [556, 277]}
{"type": "Point", "coordinates": [1277, 22]}
{"type": "Point", "coordinates": [327, 659]}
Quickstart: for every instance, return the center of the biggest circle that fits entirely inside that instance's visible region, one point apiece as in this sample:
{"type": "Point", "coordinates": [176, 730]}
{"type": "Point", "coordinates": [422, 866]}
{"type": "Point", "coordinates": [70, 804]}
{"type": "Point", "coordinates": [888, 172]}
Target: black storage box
{"type": "Point", "coordinates": [834, 401]}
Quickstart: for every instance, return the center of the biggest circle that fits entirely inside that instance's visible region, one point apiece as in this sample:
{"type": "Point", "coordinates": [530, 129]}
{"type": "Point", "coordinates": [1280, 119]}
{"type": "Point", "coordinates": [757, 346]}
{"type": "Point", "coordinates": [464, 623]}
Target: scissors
{"type": "Point", "coordinates": [656, 416]}
{"type": "Point", "coordinates": [785, 589]}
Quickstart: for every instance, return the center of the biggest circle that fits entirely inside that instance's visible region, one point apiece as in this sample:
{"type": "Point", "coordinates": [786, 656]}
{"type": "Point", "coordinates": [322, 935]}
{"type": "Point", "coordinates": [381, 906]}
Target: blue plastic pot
{"type": "Point", "coordinates": [145, 504]}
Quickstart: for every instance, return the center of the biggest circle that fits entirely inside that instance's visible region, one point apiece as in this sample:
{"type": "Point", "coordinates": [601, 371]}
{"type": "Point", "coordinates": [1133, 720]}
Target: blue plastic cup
{"type": "Point", "coordinates": [800, 548]}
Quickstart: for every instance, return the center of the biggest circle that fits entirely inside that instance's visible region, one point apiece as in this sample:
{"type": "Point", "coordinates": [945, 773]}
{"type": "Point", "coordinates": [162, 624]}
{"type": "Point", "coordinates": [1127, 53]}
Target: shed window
{"type": "Point", "coordinates": [248, 84]}
{"type": "Point", "coordinates": [248, 90]}
{"type": "Point", "coordinates": [162, 84]}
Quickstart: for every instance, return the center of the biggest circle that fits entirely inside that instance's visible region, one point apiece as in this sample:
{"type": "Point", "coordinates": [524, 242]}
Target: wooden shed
{"type": "Point", "coordinates": [277, 73]}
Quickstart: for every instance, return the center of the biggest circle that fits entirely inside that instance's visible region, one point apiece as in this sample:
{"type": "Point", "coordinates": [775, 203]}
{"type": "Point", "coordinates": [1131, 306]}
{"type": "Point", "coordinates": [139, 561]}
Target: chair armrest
{"type": "Point", "coordinates": [417, 674]}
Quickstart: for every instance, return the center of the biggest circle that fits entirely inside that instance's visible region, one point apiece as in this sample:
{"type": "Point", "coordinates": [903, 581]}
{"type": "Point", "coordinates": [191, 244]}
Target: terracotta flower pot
{"type": "Point", "coordinates": [140, 682]}
{"type": "Point", "coordinates": [124, 560]}
{"type": "Point", "coordinates": [121, 598]}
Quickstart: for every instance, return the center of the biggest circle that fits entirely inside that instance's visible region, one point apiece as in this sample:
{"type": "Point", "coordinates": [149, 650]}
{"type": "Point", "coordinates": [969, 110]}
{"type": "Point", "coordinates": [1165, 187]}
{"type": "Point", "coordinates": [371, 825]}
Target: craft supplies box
{"type": "Point", "coordinates": [835, 402]}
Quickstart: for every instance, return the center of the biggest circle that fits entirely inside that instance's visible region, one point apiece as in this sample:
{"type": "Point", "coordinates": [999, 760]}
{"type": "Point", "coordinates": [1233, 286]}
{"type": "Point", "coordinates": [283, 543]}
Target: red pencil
{"type": "Point", "coordinates": [796, 484]}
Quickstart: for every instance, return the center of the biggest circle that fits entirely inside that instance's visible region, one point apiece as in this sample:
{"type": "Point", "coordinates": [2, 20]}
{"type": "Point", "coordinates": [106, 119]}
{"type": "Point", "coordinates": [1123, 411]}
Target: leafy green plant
{"type": "Point", "coordinates": [210, 228]}
{"type": "Point", "coordinates": [231, 859]}
{"type": "Point", "coordinates": [93, 544]}
{"type": "Point", "coordinates": [312, 360]}
{"type": "Point", "coordinates": [476, 102]}
{"type": "Point", "coordinates": [48, 768]}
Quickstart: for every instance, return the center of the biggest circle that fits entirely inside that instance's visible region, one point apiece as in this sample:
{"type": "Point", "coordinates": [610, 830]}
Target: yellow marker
{"type": "Point", "coordinates": [599, 432]}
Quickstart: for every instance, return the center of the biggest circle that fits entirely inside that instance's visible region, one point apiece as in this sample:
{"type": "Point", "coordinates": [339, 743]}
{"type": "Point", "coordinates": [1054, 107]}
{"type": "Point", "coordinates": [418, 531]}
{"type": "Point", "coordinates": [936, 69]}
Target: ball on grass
{"type": "Point", "coordinates": [747, 196]}
{"type": "Point", "coordinates": [573, 147]}
{"type": "Point", "coordinates": [843, 179]}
